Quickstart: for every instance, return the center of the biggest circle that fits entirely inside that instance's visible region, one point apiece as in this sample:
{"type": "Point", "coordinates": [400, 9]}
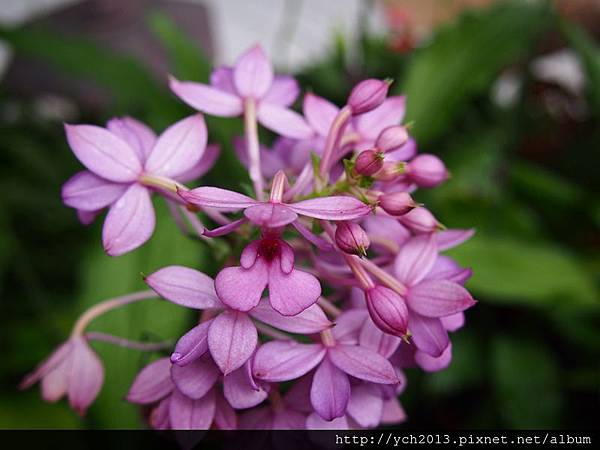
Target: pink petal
{"type": "Point", "coordinates": [439, 298]}
{"type": "Point", "coordinates": [130, 221]}
{"type": "Point", "coordinates": [159, 417]}
{"type": "Point", "coordinates": [87, 217]}
{"type": "Point", "coordinates": [206, 162]}
{"type": "Point", "coordinates": [283, 121]}
{"type": "Point", "coordinates": [391, 112]}
{"type": "Point", "coordinates": [366, 405]}
{"type": "Point", "coordinates": [453, 322]}
{"type": "Point", "coordinates": [225, 229]}
{"type": "Point", "coordinates": [207, 99]}
{"type": "Point", "coordinates": [225, 417]}
{"type": "Point", "coordinates": [415, 259]}
{"type": "Point", "coordinates": [363, 363]}
{"type": "Point", "coordinates": [104, 153]}
{"type": "Point", "coordinates": [55, 383]}
{"type": "Point", "coordinates": [331, 208]}
{"type": "Point", "coordinates": [191, 345]}
{"type": "Point", "coordinates": [286, 257]}
{"type": "Point", "coordinates": [291, 293]}
{"type": "Point", "coordinates": [137, 134]}
{"type": "Point", "coordinates": [188, 414]}
{"type": "Point", "coordinates": [253, 73]}
{"type": "Point", "coordinates": [286, 360]}
{"type": "Point", "coordinates": [240, 288]}
{"type": "Point", "coordinates": [271, 215]}
{"type": "Point", "coordinates": [232, 338]}
{"type": "Point", "coordinates": [311, 320]}
{"type": "Point", "coordinates": [451, 238]}
{"type": "Point", "coordinates": [238, 389]}
{"type": "Point", "coordinates": [316, 422]}
{"type": "Point", "coordinates": [86, 377]}
{"type": "Point", "coordinates": [330, 391]}
{"type": "Point", "coordinates": [428, 334]}
{"type": "Point", "coordinates": [196, 378]}
{"type": "Point", "coordinates": [56, 358]}
{"type": "Point", "coordinates": [249, 254]}
{"type": "Point", "coordinates": [152, 383]}
{"type": "Point", "coordinates": [287, 419]}
{"type": "Point", "coordinates": [434, 364]}
{"type": "Point", "coordinates": [320, 113]}
{"type": "Point", "coordinates": [283, 91]}
{"type": "Point", "coordinates": [404, 153]}
{"type": "Point", "coordinates": [298, 396]}
{"type": "Point", "coordinates": [373, 338]}
{"type": "Point", "coordinates": [393, 413]}
{"type": "Point", "coordinates": [178, 148]}
{"type": "Point", "coordinates": [348, 325]}
{"type": "Point", "coordinates": [184, 286]}
{"type": "Point", "coordinates": [217, 198]}
{"type": "Point", "coordinates": [445, 268]}
{"type": "Point", "coordinates": [385, 228]}
{"type": "Point", "coordinates": [222, 79]}
{"type": "Point", "coordinates": [270, 161]}
{"type": "Point", "coordinates": [317, 241]}
{"type": "Point", "coordinates": [257, 419]}
{"type": "Point", "coordinates": [88, 192]}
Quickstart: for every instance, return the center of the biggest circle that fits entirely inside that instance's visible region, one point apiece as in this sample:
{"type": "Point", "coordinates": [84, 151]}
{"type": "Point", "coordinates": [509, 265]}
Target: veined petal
{"type": "Point", "coordinates": [283, 121]}
{"type": "Point", "coordinates": [130, 221]}
{"type": "Point", "coordinates": [137, 134]}
{"type": "Point", "coordinates": [428, 334]}
{"type": "Point", "coordinates": [434, 364]}
{"type": "Point", "coordinates": [316, 422]}
{"type": "Point", "coordinates": [86, 377]}
{"type": "Point", "coordinates": [240, 288]}
{"type": "Point", "coordinates": [338, 207]}
{"type": "Point", "coordinates": [348, 325]}
{"type": "Point", "coordinates": [415, 259]}
{"type": "Point", "coordinates": [445, 268]}
{"type": "Point", "coordinates": [88, 192]}
{"type": "Point", "coordinates": [178, 148]}
{"type": "Point", "coordinates": [311, 320]}
{"type": "Point", "coordinates": [373, 338]}
{"type": "Point", "coordinates": [214, 197]}
{"type": "Point", "coordinates": [319, 112]}
{"type": "Point", "coordinates": [291, 293]}
{"type": "Point", "coordinates": [192, 345]}
{"type": "Point", "coordinates": [55, 384]}
{"type": "Point", "coordinates": [453, 322]}
{"type": "Point", "coordinates": [391, 112]}
{"type": "Point", "coordinates": [225, 417]}
{"type": "Point", "coordinates": [330, 391]}
{"type": "Point", "coordinates": [366, 405]}
{"type": "Point", "coordinates": [232, 338]}
{"type": "Point", "coordinates": [393, 412]}
{"type": "Point", "coordinates": [188, 414]}
{"type": "Point", "coordinates": [271, 215]}
{"type": "Point", "coordinates": [283, 91]}
{"type": "Point", "coordinates": [196, 378]}
{"type": "Point", "coordinates": [238, 389]}
{"type": "Point", "coordinates": [184, 286]}
{"type": "Point", "coordinates": [253, 73]}
{"type": "Point", "coordinates": [222, 79]}
{"type": "Point", "coordinates": [225, 229]}
{"type": "Point", "coordinates": [363, 363]}
{"type": "Point", "coordinates": [206, 162]}
{"type": "Point", "coordinates": [286, 360]}
{"type": "Point", "coordinates": [451, 238]}
{"type": "Point", "coordinates": [257, 419]}
{"type": "Point", "coordinates": [159, 416]}
{"type": "Point", "coordinates": [56, 358]}
{"type": "Point", "coordinates": [317, 241]}
{"type": "Point", "coordinates": [288, 419]}
{"type": "Point", "coordinates": [152, 383]}
{"type": "Point", "coordinates": [104, 153]}
{"type": "Point", "coordinates": [207, 99]}
{"type": "Point", "coordinates": [438, 298]}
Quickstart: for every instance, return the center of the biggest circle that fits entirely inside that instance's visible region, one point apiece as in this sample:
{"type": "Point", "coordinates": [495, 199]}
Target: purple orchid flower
{"type": "Point", "coordinates": [73, 369]}
{"type": "Point", "coordinates": [250, 78]}
{"type": "Point", "coordinates": [231, 336]}
{"type": "Point", "coordinates": [122, 160]}
{"type": "Point", "coordinates": [337, 358]}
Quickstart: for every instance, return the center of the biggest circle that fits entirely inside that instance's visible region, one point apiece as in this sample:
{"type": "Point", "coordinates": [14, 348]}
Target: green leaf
{"type": "Point", "coordinates": [188, 61]}
{"type": "Point", "coordinates": [512, 271]}
{"type": "Point", "coordinates": [463, 59]}
{"type": "Point", "coordinates": [526, 380]}
{"type": "Point", "coordinates": [155, 320]}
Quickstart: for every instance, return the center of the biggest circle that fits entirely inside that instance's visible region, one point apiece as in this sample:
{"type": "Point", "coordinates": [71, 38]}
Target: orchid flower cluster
{"type": "Point", "coordinates": [340, 284]}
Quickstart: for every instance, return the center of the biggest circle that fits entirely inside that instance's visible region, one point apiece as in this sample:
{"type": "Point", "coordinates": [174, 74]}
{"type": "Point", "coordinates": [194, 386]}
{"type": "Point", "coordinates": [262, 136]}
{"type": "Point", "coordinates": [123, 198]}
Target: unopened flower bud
{"type": "Point", "coordinates": [368, 95]}
{"type": "Point", "coordinates": [391, 138]}
{"type": "Point", "coordinates": [397, 203]}
{"type": "Point", "coordinates": [420, 220]}
{"type": "Point", "coordinates": [368, 163]}
{"type": "Point", "coordinates": [351, 238]}
{"type": "Point", "coordinates": [387, 310]}
{"type": "Point", "coordinates": [427, 170]}
{"type": "Point", "coordinates": [390, 170]}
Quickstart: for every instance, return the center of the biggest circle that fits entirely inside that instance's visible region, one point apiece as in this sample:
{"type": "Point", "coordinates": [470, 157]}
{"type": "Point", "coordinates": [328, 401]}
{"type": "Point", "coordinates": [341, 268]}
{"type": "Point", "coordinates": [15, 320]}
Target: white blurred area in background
{"type": "Point", "coordinates": [293, 32]}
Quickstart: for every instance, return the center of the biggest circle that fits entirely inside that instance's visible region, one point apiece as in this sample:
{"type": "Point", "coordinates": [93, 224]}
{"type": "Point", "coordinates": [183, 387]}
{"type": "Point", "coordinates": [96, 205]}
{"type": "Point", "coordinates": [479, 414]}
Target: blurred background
{"type": "Point", "coordinates": [506, 92]}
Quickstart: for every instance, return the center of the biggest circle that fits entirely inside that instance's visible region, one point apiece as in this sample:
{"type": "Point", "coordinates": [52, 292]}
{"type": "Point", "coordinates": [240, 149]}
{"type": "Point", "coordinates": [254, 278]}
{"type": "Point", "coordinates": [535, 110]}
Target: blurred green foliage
{"type": "Point", "coordinates": [529, 355]}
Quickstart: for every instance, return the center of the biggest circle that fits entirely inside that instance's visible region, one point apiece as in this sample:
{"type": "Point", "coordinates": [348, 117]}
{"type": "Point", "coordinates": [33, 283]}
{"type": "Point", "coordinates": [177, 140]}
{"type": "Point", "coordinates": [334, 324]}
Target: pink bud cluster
{"type": "Point", "coordinates": [350, 224]}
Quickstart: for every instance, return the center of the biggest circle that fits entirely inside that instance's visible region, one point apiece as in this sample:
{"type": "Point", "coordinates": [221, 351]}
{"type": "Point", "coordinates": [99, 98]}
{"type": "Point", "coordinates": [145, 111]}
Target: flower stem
{"type": "Point", "coordinates": [122, 342]}
{"type": "Point", "coordinates": [333, 140]}
{"type": "Point", "coordinates": [271, 332]}
{"type": "Point", "coordinates": [329, 307]}
{"type": "Point", "coordinates": [97, 310]}
{"type": "Point", "coordinates": [161, 183]}
{"type": "Point", "coordinates": [252, 145]}
{"type": "Point", "coordinates": [389, 280]}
